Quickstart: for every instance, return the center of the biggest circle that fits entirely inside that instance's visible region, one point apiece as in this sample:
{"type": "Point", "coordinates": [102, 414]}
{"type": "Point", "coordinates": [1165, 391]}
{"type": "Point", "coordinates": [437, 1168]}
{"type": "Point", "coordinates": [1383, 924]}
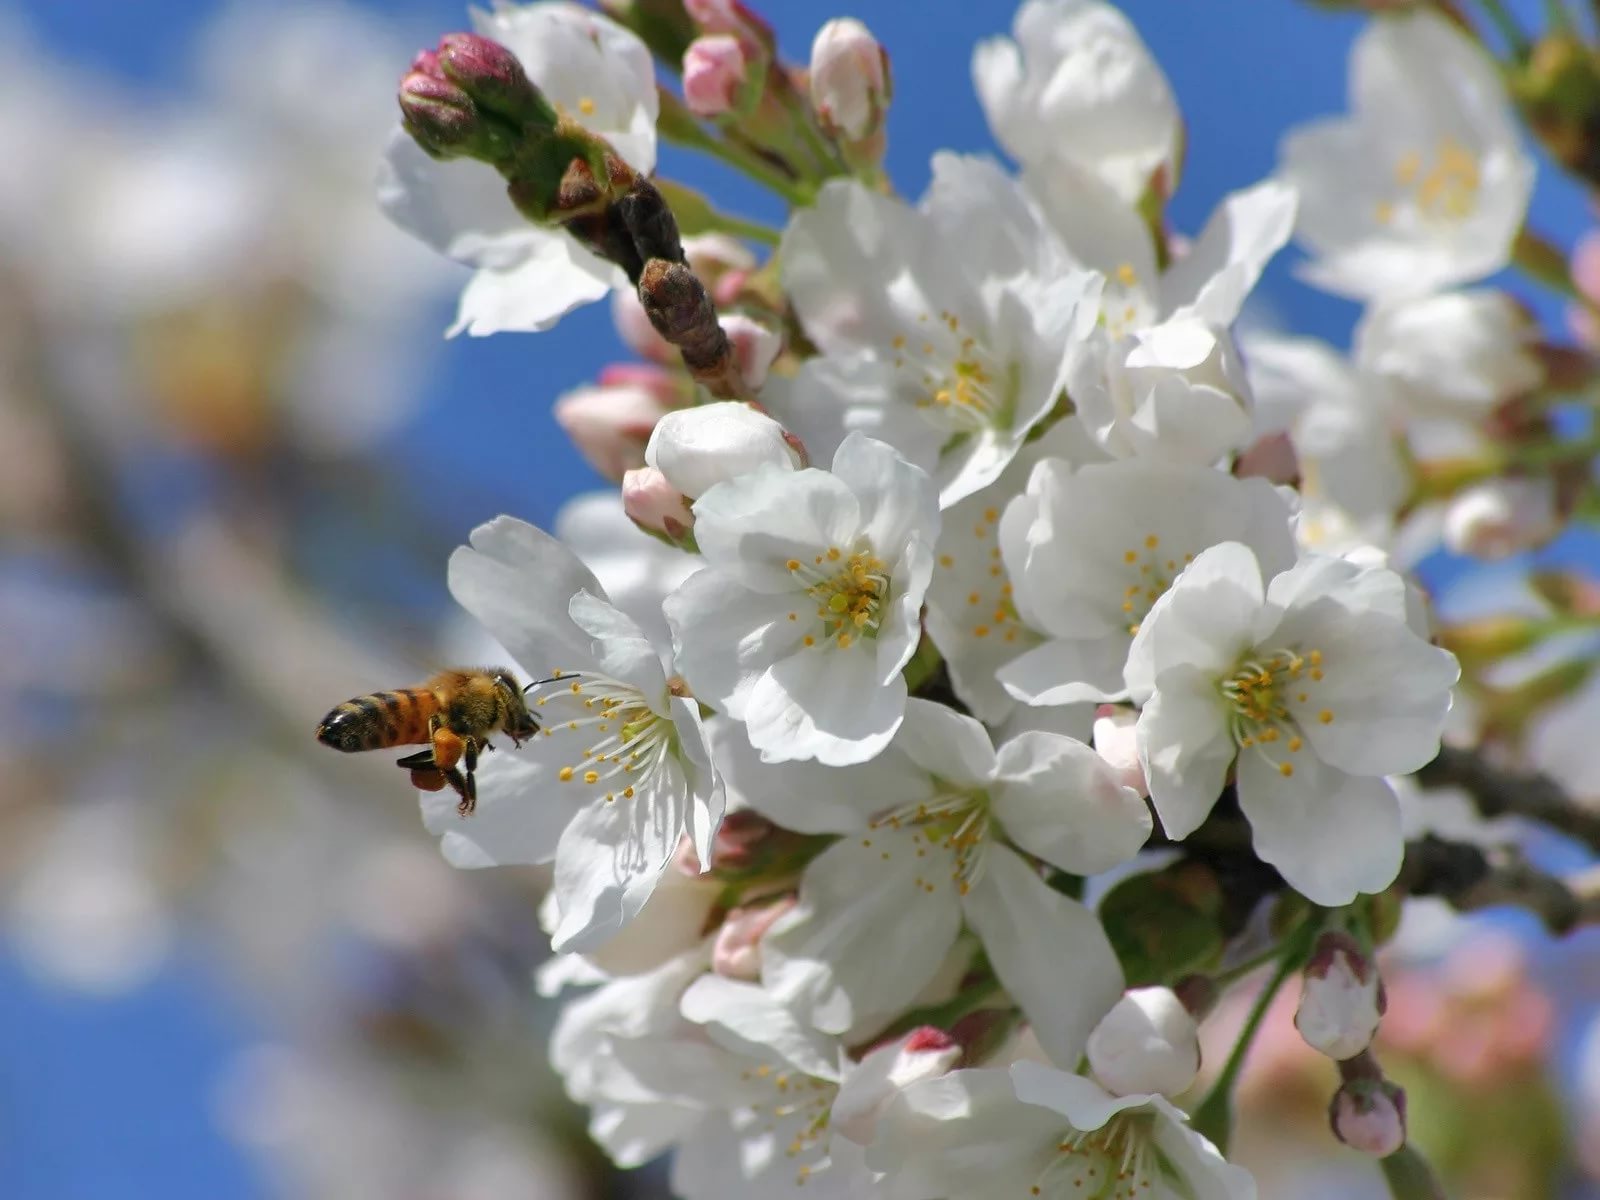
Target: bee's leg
{"type": "Point", "coordinates": [448, 748]}
{"type": "Point", "coordinates": [469, 797]}
{"type": "Point", "coordinates": [421, 759]}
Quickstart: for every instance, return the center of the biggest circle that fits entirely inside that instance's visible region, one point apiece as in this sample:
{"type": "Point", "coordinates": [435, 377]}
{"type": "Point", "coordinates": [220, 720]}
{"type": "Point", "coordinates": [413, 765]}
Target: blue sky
{"type": "Point", "coordinates": [101, 1100]}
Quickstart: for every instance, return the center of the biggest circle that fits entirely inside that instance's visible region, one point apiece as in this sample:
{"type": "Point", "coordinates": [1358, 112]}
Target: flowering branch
{"type": "Point", "coordinates": [1503, 791]}
{"type": "Point", "coordinates": [1470, 878]}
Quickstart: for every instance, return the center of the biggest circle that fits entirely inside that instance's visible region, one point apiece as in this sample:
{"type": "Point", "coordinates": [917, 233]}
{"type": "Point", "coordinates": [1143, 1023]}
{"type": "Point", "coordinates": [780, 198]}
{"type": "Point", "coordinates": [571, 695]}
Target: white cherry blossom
{"type": "Point", "coordinates": [1037, 1131]}
{"type": "Point", "coordinates": [620, 771]}
{"type": "Point", "coordinates": [1309, 687]}
{"type": "Point", "coordinates": [1091, 550]}
{"type": "Point", "coordinates": [808, 606]}
{"type": "Point", "coordinates": [936, 829]}
{"type": "Point", "coordinates": [971, 614]}
{"type": "Point", "coordinates": [1078, 84]}
{"type": "Point", "coordinates": [526, 278]}
{"type": "Point", "coordinates": [945, 329]}
{"type": "Point", "coordinates": [1424, 185]}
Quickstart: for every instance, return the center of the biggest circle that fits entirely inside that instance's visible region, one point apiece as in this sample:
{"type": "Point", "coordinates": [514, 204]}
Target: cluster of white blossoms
{"type": "Point", "coordinates": [999, 576]}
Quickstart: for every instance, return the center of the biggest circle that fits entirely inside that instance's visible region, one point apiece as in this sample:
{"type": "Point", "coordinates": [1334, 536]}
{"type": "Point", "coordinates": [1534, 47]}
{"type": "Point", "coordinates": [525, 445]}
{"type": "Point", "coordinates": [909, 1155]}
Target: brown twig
{"type": "Point", "coordinates": [1470, 877]}
{"type": "Point", "coordinates": [1501, 791]}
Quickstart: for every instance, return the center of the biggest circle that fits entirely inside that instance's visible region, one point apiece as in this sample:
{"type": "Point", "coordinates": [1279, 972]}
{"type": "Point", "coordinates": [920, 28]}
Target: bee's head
{"type": "Point", "coordinates": [518, 721]}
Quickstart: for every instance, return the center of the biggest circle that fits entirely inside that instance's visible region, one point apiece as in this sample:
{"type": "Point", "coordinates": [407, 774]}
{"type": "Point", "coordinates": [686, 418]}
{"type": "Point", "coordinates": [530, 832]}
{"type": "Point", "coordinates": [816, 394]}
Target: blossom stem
{"type": "Point", "coordinates": [1214, 1116]}
{"type": "Point", "coordinates": [798, 195]}
{"type": "Point", "coordinates": [678, 125]}
{"type": "Point", "coordinates": [1410, 1177]}
{"type": "Point", "coordinates": [1542, 260]}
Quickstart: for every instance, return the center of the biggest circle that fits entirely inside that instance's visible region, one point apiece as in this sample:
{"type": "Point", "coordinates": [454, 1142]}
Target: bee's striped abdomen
{"type": "Point", "coordinates": [371, 722]}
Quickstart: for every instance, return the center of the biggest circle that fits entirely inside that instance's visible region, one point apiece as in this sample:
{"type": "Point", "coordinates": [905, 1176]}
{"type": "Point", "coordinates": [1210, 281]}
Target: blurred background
{"type": "Point", "coordinates": [235, 452]}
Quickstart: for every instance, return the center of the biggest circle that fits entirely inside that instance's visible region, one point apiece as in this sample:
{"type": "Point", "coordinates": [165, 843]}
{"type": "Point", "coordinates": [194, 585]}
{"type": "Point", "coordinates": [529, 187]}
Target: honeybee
{"type": "Point", "coordinates": [452, 714]}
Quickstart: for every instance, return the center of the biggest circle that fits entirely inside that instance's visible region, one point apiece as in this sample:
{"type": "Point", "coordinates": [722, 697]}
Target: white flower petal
{"type": "Point", "coordinates": [1065, 992]}
{"type": "Point", "coordinates": [866, 937]}
{"type": "Point", "coordinates": [1332, 835]}
{"type": "Point", "coordinates": [1059, 800]}
{"type": "Point", "coordinates": [610, 856]}
{"type": "Point", "coordinates": [519, 818]}
{"type": "Point", "coordinates": [1186, 748]}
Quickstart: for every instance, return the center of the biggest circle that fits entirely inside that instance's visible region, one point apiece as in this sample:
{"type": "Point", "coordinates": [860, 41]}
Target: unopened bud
{"type": "Point", "coordinates": [733, 18]}
{"type": "Point", "coordinates": [1147, 1044]}
{"type": "Point", "coordinates": [655, 506]}
{"type": "Point", "coordinates": [445, 122]}
{"type": "Point", "coordinates": [610, 425]}
{"type": "Point", "coordinates": [1502, 516]}
{"type": "Point", "coordinates": [1116, 741]}
{"type": "Point", "coordinates": [1369, 1115]}
{"type": "Point", "coordinates": [1341, 999]}
{"type": "Point", "coordinates": [698, 448]}
{"type": "Point", "coordinates": [736, 953]}
{"type": "Point", "coordinates": [850, 86]}
{"type": "Point", "coordinates": [885, 1072]}
{"type": "Point", "coordinates": [495, 80]}
{"type": "Point", "coordinates": [717, 77]}
{"type": "Point", "coordinates": [754, 347]}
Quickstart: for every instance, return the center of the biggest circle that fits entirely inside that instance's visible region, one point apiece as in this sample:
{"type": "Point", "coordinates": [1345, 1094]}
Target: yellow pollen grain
{"type": "Point", "coordinates": [1286, 769]}
{"type": "Point", "coordinates": [809, 640]}
{"type": "Point", "coordinates": [974, 598]}
{"type": "Point", "coordinates": [844, 641]}
{"type": "Point", "coordinates": [1151, 541]}
{"type": "Point", "coordinates": [794, 616]}
{"type": "Point", "coordinates": [1126, 275]}
{"type": "Point", "coordinates": [628, 791]}
{"type": "Point", "coordinates": [586, 106]}
{"type": "Point", "coordinates": [1294, 745]}
{"type": "Point", "coordinates": [1130, 556]}
{"type": "Point", "coordinates": [991, 515]}
{"type": "Point", "coordinates": [946, 561]}
{"type": "Point", "coordinates": [980, 531]}
{"type": "Point", "coordinates": [1383, 212]}
{"type": "Point", "coordinates": [591, 776]}
{"type": "Point", "coordinates": [899, 341]}
{"type": "Point", "coordinates": [980, 631]}
{"type": "Point", "coordinates": [1326, 716]}
{"type": "Point", "coordinates": [834, 554]}
{"type": "Point", "coordinates": [565, 774]}
{"type": "Point", "coordinates": [793, 564]}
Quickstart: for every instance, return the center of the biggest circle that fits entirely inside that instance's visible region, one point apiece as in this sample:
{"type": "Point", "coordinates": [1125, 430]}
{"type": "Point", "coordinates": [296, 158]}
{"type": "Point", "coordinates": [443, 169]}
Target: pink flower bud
{"type": "Point", "coordinates": [1271, 458]}
{"type": "Point", "coordinates": [1147, 1044]}
{"type": "Point", "coordinates": [714, 73]}
{"type": "Point", "coordinates": [849, 78]}
{"type": "Point", "coordinates": [669, 389]}
{"type": "Point", "coordinates": [866, 1091]}
{"type": "Point", "coordinates": [736, 953]}
{"type": "Point", "coordinates": [738, 838]}
{"type": "Point", "coordinates": [427, 63]}
{"type": "Point", "coordinates": [1341, 999]}
{"type": "Point", "coordinates": [439, 115]}
{"type": "Point", "coordinates": [654, 505]}
{"type": "Point", "coordinates": [734, 19]}
{"type": "Point", "coordinates": [493, 77]}
{"type": "Point", "coordinates": [754, 346]}
{"type": "Point", "coordinates": [1586, 266]}
{"type": "Point", "coordinates": [1116, 741]}
{"type": "Point", "coordinates": [610, 425]}
{"type": "Point", "coordinates": [1369, 1115]}
{"type": "Point", "coordinates": [637, 333]}
{"type": "Point", "coordinates": [1501, 516]}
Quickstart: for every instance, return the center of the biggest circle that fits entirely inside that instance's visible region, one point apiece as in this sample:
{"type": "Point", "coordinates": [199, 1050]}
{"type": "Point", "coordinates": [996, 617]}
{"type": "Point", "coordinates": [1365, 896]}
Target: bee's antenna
{"type": "Point", "coordinates": [537, 682]}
